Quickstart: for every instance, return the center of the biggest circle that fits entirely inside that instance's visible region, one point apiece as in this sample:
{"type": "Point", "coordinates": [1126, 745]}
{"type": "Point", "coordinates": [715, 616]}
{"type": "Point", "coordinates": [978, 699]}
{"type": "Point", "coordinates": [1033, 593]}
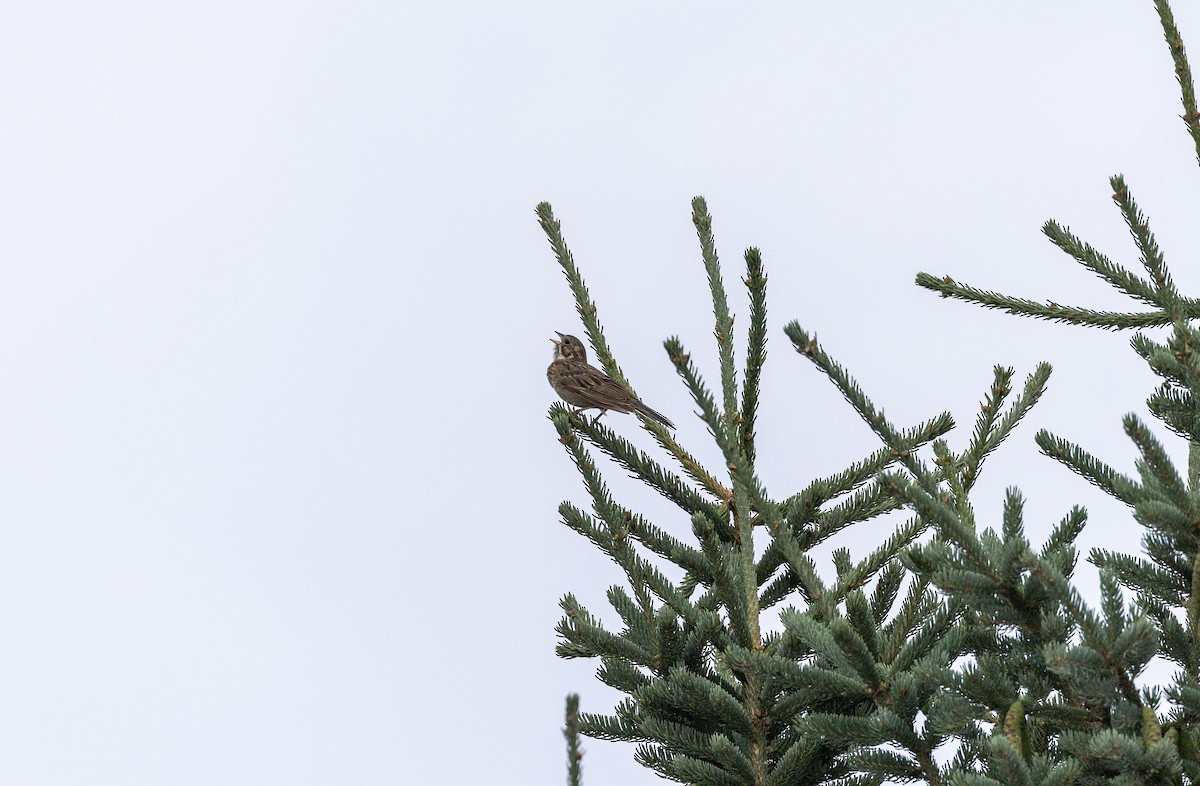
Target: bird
{"type": "Point", "coordinates": [586, 387]}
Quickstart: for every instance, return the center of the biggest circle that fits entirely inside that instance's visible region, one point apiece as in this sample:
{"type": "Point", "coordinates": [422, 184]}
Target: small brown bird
{"type": "Point", "coordinates": [586, 387]}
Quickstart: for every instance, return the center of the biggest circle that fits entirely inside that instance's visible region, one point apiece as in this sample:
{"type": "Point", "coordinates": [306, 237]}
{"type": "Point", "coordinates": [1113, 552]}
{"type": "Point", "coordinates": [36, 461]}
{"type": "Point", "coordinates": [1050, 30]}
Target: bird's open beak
{"type": "Point", "coordinates": [560, 339]}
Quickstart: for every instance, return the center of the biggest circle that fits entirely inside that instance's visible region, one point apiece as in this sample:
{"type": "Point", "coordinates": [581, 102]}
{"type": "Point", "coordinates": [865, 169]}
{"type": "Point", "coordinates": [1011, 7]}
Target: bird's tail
{"type": "Point", "coordinates": [645, 410]}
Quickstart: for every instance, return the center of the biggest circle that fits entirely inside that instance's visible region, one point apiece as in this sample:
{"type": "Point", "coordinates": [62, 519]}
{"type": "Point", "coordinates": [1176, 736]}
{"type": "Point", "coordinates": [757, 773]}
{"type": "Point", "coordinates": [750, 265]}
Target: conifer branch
{"type": "Point", "coordinates": [882, 557]}
{"type": "Point", "coordinates": [1031, 393]}
{"type": "Point", "coordinates": [1164, 292]}
{"type": "Point", "coordinates": [1061, 542]}
{"type": "Point", "coordinates": [583, 300]}
{"type": "Point", "coordinates": [1194, 466]}
{"type": "Point", "coordinates": [604, 505]}
{"type": "Point", "coordinates": [756, 351]}
{"type": "Point", "coordinates": [863, 505]}
{"type": "Point", "coordinates": [690, 464]}
{"type": "Point", "coordinates": [802, 575]}
{"type": "Point", "coordinates": [583, 636]}
{"type": "Point", "coordinates": [1161, 359]}
{"type": "Point", "coordinates": [1090, 468]}
{"type": "Point", "coordinates": [1101, 265]}
{"type": "Point", "coordinates": [893, 438]}
{"type": "Point", "coordinates": [727, 583]}
{"type": "Point", "coordinates": [1160, 474]}
{"type": "Point", "coordinates": [636, 461]}
{"type": "Point", "coordinates": [717, 425]}
{"type": "Point", "coordinates": [925, 639]}
{"type": "Point", "coordinates": [640, 572]}
{"type": "Point", "coordinates": [613, 538]}
{"type": "Point", "coordinates": [724, 320]}
{"type": "Point", "coordinates": [1183, 72]}
{"type": "Point", "coordinates": [936, 508]}
{"type": "Point", "coordinates": [981, 438]}
{"type": "Point", "coordinates": [825, 524]}
{"type": "Point", "coordinates": [571, 734]}
{"type": "Point", "coordinates": [800, 506]}
{"type": "Point", "coordinates": [673, 549]}
{"type": "Point", "coordinates": [621, 675]}
{"type": "Point", "coordinates": [818, 638]}
{"type": "Point", "coordinates": [1177, 410]}
{"type": "Point", "coordinates": [624, 726]}
{"type": "Point", "coordinates": [919, 603]}
{"type": "Point", "coordinates": [686, 693]}
{"type": "Point", "coordinates": [747, 494]}
{"type": "Point", "coordinates": [737, 578]}
{"type": "Point", "coordinates": [887, 589]}
{"type": "Point", "coordinates": [1093, 631]}
{"type": "Point", "coordinates": [595, 332]}
{"type": "Point", "coordinates": [1109, 320]}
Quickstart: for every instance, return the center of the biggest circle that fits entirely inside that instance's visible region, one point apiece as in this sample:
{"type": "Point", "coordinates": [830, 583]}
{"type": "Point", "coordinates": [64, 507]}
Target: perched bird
{"type": "Point", "coordinates": [586, 387]}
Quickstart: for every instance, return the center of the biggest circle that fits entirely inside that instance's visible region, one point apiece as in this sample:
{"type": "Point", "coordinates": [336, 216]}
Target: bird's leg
{"type": "Point", "coordinates": [579, 412]}
{"type": "Point", "coordinates": [596, 419]}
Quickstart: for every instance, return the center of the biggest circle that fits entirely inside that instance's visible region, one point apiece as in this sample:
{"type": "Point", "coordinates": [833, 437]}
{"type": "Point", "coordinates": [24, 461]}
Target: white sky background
{"type": "Point", "coordinates": [278, 491]}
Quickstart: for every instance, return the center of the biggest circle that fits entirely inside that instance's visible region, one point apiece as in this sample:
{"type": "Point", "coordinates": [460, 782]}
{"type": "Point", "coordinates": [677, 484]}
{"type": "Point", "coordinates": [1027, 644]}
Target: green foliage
{"type": "Point", "coordinates": [571, 734]}
{"type": "Point", "coordinates": [953, 652]}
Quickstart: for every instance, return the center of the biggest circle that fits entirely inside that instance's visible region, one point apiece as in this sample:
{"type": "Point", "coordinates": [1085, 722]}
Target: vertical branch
{"type": "Point", "coordinates": [1194, 468]}
{"type": "Point", "coordinates": [749, 571]}
{"type": "Point", "coordinates": [571, 733]}
{"type": "Point", "coordinates": [727, 427]}
{"type": "Point", "coordinates": [724, 327]}
{"type": "Point", "coordinates": [1193, 601]}
{"type": "Point", "coordinates": [583, 300]}
{"type": "Point", "coordinates": [734, 432]}
{"type": "Point", "coordinates": [1183, 72]}
{"type": "Point", "coordinates": [1165, 294]}
{"type": "Point", "coordinates": [756, 352]}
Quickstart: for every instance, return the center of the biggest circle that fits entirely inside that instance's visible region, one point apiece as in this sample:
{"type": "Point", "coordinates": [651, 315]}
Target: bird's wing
{"type": "Point", "coordinates": [605, 392]}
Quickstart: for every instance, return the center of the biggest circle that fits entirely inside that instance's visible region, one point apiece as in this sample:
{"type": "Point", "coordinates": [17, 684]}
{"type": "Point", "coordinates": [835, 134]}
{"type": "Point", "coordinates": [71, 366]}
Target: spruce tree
{"type": "Point", "coordinates": [956, 653]}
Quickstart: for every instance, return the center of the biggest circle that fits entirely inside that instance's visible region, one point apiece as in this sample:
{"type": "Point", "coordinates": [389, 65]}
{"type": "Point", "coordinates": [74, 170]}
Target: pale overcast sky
{"type": "Point", "coordinates": [278, 489]}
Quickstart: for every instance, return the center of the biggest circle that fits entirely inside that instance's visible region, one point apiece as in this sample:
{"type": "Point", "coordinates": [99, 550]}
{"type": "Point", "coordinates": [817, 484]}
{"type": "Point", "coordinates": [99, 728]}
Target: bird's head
{"type": "Point", "coordinates": [569, 348]}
